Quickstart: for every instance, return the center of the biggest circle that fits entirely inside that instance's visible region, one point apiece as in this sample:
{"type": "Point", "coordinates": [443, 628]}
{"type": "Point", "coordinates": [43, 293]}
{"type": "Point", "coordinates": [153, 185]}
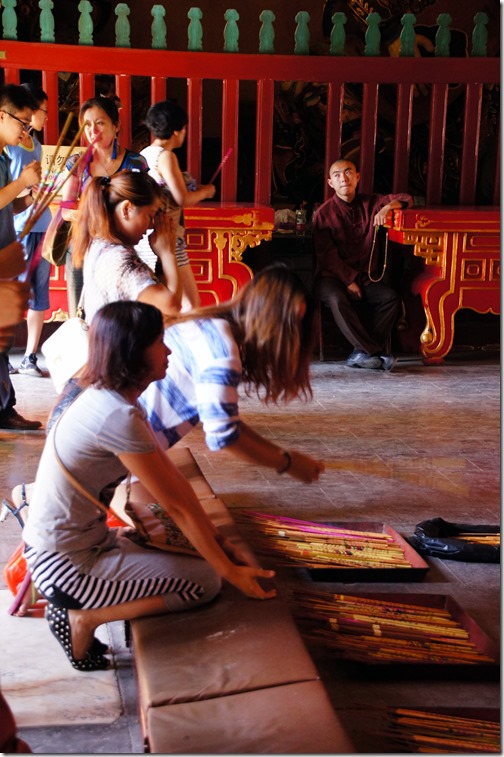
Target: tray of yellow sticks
{"type": "Point", "coordinates": [334, 551]}
{"type": "Point", "coordinates": [423, 632]}
{"type": "Point", "coordinates": [447, 730]}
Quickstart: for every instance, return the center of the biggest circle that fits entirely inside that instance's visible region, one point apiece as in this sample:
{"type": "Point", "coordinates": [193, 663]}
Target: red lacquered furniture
{"type": "Point", "coordinates": [217, 234]}
{"type": "Point", "coordinates": [461, 250]}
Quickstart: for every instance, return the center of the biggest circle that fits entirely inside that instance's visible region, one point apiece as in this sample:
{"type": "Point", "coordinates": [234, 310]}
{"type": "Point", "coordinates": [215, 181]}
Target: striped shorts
{"type": "Point", "coordinates": [122, 573]}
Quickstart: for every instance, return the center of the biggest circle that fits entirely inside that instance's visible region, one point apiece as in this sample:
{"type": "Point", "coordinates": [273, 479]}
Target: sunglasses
{"type": "Point", "coordinates": [25, 124]}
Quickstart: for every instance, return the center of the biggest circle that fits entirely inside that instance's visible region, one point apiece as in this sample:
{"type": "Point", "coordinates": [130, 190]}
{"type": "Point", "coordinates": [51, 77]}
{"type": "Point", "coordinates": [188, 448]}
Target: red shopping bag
{"type": "Point", "coordinates": [15, 570]}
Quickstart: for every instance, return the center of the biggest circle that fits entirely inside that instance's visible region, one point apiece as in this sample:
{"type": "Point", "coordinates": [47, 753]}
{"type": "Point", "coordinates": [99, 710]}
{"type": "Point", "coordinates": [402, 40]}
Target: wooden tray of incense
{"type": "Point", "coordinates": [335, 551]}
{"type": "Point", "coordinates": [425, 631]}
{"type": "Point", "coordinates": [449, 730]}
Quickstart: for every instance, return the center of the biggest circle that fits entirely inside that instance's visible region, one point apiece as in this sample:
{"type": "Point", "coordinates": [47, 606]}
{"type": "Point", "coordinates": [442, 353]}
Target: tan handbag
{"type": "Point", "coordinates": [153, 526]}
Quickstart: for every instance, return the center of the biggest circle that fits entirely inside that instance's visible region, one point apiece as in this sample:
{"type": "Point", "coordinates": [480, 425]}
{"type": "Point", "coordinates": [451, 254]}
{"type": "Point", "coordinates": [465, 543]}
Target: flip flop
{"type": "Point", "coordinates": [57, 617]}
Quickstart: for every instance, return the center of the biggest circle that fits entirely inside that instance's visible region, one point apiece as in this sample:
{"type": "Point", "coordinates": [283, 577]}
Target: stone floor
{"type": "Point", "coordinates": [416, 443]}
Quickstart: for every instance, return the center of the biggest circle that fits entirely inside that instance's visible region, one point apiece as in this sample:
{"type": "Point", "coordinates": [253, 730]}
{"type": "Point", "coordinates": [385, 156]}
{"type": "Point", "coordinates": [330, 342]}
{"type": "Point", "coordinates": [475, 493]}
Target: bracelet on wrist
{"type": "Point", "coordinates": [287, 464]}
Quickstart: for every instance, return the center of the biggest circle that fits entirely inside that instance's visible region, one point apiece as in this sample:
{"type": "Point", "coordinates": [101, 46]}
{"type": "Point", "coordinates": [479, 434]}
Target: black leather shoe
{"type": "Point", "coordinates": [15, 422]}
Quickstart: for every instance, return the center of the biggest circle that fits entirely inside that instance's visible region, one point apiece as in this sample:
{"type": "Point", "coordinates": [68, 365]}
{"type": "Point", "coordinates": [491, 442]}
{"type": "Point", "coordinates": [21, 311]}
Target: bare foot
{"type": "Point", "coordinates": [82, 635]}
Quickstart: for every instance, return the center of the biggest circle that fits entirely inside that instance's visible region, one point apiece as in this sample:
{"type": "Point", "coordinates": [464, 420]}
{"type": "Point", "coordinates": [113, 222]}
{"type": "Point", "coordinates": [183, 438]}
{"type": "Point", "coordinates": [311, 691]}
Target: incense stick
{"type": "Point", "coordinates": [219, 167]}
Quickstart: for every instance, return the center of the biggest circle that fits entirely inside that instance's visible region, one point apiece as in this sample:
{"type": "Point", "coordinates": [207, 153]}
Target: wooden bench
{"type": "Point", "coordinates": [233, 676]}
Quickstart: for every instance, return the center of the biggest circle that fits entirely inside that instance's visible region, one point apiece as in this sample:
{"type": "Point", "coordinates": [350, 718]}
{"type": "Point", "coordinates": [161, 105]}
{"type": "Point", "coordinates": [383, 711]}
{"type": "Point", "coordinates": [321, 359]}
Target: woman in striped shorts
{"type": "Point", "coordinates": [90, 573]}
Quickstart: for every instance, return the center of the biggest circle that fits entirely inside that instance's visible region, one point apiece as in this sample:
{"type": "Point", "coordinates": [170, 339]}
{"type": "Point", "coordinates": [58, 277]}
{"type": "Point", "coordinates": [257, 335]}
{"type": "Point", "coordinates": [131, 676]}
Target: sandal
{"type": "Point", "coordinates": [10, 507]}
{"type": "Point", "coordinates": [57, 617]}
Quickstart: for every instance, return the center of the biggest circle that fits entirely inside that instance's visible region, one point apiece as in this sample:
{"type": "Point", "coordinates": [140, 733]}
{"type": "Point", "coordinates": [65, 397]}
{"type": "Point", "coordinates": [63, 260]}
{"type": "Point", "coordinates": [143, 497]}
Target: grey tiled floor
{"type": "Point", "coordinates": [416, 443]}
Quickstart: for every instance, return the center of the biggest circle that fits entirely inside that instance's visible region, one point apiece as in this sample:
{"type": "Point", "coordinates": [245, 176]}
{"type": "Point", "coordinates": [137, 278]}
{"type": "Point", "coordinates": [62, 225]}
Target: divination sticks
{"type": "Point", "coordinates": [422, 731]}
{"type": "Point", "coordinates": [375, 630]}
{"type": "Point", "coordinates": [291, 541]}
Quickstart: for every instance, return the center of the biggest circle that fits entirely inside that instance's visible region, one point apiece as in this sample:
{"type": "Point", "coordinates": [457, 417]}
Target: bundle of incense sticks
{"type": "Point", "coordinates": [51, 184]}
{"type": "Point", "coordinates": [377, 630]}
{"type": "Point", "coordinates": [492, 540]}
{"type": "Point", "coordinates": [429, 732]}
{"type": "Point", "coordinates": [313, 545]}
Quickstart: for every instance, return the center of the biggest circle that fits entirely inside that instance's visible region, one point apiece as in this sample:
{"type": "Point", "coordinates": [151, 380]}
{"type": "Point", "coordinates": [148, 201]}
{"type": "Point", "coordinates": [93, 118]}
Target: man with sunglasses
{"type": "Point", "coordinates": [16, 108]}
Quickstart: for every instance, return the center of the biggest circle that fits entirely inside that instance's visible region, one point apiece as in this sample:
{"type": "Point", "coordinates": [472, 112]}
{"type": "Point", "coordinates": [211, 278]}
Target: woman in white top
{"type": "Point", "coordinates": [114, 213]}
{"type": "Point", "coordinates": [90, 573]}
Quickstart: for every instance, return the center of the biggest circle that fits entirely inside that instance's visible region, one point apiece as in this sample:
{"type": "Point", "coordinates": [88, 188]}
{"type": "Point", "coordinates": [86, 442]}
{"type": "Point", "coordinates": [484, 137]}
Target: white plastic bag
{"type": "Point", "coordinates": [66, 351]}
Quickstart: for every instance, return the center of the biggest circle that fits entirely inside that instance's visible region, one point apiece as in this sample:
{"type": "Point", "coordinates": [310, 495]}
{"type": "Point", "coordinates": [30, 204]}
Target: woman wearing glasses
{"type": "Point", "coordinates": [21, 155]}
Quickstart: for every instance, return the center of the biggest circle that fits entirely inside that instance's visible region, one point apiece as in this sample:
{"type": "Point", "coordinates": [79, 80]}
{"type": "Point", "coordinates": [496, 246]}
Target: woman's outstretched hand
{"type": "Point", "coordinates": [245, 578]}
{"type": "Point", "coordinates": [305, 468]}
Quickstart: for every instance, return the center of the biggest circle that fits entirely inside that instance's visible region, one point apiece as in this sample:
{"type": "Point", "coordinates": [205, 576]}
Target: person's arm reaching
{"type": "Point", "coordinates": [254, 448]}
{"type": "Point", "coordinates": [155, 471]}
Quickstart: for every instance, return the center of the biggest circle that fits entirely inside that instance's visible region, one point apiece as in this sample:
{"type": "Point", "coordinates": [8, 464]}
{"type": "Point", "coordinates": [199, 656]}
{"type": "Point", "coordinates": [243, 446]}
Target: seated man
{"type": "Point", "coordinates": [346, 265]}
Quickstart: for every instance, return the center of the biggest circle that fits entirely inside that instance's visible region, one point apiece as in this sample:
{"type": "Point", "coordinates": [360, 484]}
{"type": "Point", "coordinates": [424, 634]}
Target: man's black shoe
{"type": "Point", "coordinates": [15, 422]}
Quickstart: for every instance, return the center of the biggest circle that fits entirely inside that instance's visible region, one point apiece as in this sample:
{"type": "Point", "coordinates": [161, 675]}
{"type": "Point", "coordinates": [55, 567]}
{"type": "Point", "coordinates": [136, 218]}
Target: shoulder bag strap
{"type": "Point", "coordinates": [77, 485]}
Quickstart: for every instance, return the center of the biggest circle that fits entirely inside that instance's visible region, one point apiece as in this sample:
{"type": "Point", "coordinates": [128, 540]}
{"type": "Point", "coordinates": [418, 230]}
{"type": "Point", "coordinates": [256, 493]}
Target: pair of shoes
{"type": "Point", "coordinates": [15, 422]}
{"type": "Point", "coordinates": [388, 362]}
{"type": "Point", "coordinates": [360, 359]}
{"type": "Point", "coordinates": [57, 617]}
{"type": "Point", "coordinates": [29, 366]}
{"type": "Point", "coordinates": [11, 368]}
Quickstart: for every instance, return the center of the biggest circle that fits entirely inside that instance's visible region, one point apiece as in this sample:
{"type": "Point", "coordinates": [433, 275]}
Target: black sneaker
{"type": "Point", "coordinates": [29, 366]}
{"type": "Point", "coordinates": [12, 369]}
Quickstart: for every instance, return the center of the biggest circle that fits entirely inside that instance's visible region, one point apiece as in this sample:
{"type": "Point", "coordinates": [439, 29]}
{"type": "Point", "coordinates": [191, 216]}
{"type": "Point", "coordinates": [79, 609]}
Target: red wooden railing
{"type": "Point", "coordinates": [161, 66]}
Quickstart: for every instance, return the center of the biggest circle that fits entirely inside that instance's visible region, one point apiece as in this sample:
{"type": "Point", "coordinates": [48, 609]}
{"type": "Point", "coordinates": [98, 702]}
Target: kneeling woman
{"type": "Point", "coordinates": [91, 574]}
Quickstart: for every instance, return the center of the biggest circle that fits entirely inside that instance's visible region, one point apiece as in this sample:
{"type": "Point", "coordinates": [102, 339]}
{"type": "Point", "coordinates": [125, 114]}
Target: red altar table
{"type": "Point", "coordinates": [461, 250]}
{"type": "Point", "coordinates": [217, 235]}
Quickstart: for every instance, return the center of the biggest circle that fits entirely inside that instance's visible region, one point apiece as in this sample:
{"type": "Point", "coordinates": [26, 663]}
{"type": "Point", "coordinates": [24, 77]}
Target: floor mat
{"type": "Point", "coordinates": [39, 683]}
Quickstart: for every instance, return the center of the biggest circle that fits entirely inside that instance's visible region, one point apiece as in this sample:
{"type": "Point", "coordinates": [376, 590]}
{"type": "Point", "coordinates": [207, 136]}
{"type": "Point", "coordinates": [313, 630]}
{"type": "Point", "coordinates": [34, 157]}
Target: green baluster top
{"type": "Point", "coordinates": [122, 25]}
{"type": "Point", "coordinates": [443, 36]}
{"type": "Point", "coordinates": [231, 32]}
{"type": "Point", "coordinates": [302, 34]}
{"type": "Point", "coordinates": [85, 23]}
{"type": "Point", "coordinates": [195, 30]}
{"type": "Point", "coordinates": [479, 36]}
{"type": "Point", "coordinates": [407, 35]}
{"type": "Point", "coordinates": [373, 34]}
{"type": "Point", "coordinates": [46, 21]}
{"type": "Point", "coordinates": [9, 19]}
{"type": "Point", "coordinates": [158, 28]}
{"type": "Point", "coordinates": [337, 44]}
{"type": "Point", "coordinates": [266, 32]}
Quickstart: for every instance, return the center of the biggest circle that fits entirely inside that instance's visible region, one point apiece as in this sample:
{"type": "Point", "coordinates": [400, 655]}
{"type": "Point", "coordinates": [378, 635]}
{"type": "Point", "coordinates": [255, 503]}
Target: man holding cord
{"type": "Point", "coordinates": [347, 271]}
